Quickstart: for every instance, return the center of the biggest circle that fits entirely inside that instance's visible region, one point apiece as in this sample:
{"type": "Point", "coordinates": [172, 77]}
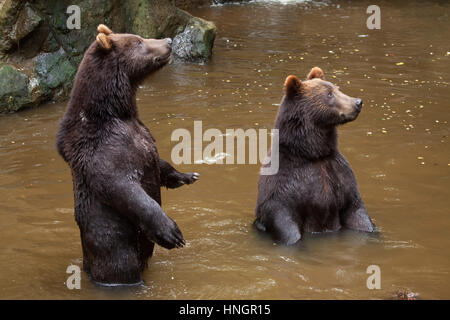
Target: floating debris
{"type": "Point", "coordinates": [210, 160]}
{"type": "Point", "coordinates": [405, 294]}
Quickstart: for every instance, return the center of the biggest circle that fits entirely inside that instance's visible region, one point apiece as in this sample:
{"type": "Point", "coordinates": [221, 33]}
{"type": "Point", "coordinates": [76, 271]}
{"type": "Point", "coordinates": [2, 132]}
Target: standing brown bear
{"type": "Point", "coordinates": [116, 170]}
{"type": "Point", "coordinates": [314, 189]}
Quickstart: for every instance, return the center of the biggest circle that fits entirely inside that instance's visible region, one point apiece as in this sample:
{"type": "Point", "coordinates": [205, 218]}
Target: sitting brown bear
{"type": "Point", "coordinates": [315, 189]}
{"type": "Point", "coordinates": [116, 169]}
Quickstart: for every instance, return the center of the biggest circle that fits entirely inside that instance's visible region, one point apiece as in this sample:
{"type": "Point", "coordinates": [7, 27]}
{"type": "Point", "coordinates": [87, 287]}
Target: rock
{"type": "Point", "coordinates": [9, 11]}
{"type": "Point", "coordinates": [76, 41]}
{"type": "Point", "coordinates": [193, 37]}
{"type": "Point", "coordinates": [155, 19]}
{"type": "Point", "coordinates": [34, 90]}
{"type": "Point", "coordinates": [186, 4]}
{"type": "Point", "coordinates": [14, 90]}
{"type": "Point", "coordinates": [195, 41]}
{"type": "Point", "coordinates": [55, 73]}
{"type": "Point", "coordinates": [27, 21]}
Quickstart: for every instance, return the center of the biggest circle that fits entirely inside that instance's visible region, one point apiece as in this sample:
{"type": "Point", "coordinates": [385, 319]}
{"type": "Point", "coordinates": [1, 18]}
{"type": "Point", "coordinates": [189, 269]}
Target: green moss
{"type": "Point", "coordinates": [14, 93]}
{"type": "Point", "coordinates": [54, 71]}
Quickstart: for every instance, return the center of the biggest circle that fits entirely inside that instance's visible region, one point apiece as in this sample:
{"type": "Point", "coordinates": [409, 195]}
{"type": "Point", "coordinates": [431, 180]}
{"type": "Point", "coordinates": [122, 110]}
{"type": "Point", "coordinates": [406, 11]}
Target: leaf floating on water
{"type": "Point", "coordinates": [65, 210]}
{"type": "Point", "coordinates": [210, 160]}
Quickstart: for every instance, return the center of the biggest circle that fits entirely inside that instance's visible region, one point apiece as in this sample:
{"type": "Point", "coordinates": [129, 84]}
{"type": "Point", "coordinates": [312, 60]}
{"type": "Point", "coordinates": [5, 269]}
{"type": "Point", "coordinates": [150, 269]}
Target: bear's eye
{"type": "Point", "coordinates": [330, 94]}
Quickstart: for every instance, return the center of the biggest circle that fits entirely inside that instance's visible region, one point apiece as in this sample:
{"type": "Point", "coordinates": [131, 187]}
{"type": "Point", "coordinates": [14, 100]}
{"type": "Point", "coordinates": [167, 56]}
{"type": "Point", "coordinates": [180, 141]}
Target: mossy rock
{"type": "Point", "coordinates": [54, 72]}
{"type": "Point", "coordinates": [196, 41]}
{"type": "Point", "coordinates": [14, 93]}
{"type": "Point", "coordinates": [27, 21]}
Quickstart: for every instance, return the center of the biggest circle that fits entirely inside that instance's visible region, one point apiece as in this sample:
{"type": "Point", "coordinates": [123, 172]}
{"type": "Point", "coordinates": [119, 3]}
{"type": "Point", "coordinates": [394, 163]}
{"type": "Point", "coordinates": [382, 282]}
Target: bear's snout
{"type": "Point", "coordinates": [350, 110]}
{"type": "Point", "coordinates": [359, 104]}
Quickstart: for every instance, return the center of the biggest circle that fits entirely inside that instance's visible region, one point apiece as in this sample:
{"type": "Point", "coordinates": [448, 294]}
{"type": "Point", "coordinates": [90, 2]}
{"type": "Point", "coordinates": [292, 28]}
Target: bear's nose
{"type": "Point", "coordinates": [169, 41]}
{"type": "Point", "coordinates": [359, 104]}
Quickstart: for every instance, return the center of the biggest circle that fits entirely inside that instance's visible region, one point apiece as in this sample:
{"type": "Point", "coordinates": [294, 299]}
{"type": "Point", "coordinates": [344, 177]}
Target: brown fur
{"type": "Point", "coordinates": [292, 85]}
{"type": "Point", "coordinates": [103, 29]}
{"type": "Point", "coordinates": [315, 189]}
{"type": "Point", "coordinates": [316, 72]}
{"type": "Point", "coordinates": [104, 41]}
{"type": "Point", "coordinates": [116, 170]}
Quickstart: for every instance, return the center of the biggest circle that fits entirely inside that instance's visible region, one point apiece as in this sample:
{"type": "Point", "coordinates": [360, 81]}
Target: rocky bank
{"type": "Point", "coordinates": [39, 54]}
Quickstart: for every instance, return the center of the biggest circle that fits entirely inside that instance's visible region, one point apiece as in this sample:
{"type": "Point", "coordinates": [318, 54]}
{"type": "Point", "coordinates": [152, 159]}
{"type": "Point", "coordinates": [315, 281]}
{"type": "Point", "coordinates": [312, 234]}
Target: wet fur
{"type": "Point", "coordinates": [315, 189]}
{"type": "Point", "coordinates": [116, 169]}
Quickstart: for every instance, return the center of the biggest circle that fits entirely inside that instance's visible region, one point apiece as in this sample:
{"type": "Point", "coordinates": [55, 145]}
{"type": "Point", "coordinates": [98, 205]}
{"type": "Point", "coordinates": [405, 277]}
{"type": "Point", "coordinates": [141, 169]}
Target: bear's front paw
{"type": "Point", "coordinates": [169, 236]}
{"type": "Point", "coordinates": [190, 177]}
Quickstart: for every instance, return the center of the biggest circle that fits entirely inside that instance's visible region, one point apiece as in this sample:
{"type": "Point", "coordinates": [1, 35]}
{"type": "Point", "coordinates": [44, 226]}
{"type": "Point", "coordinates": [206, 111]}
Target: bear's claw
{"type": "Point", "coordinates": [191, 177]}
{"type": "Point", "coordinates": [170, 238]}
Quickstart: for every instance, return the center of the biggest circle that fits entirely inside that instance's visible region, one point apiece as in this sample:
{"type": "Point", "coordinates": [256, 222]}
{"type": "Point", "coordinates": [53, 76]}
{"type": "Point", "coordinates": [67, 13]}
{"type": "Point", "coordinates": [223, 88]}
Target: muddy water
{"type": "Point", "coordinates": [398, 148]}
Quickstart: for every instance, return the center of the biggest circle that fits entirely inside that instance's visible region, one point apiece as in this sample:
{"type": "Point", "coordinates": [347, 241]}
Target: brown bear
{"type": "Point", "coordinates": [116, 169]}
{"type": "Point", "coordinates": [314, 189]}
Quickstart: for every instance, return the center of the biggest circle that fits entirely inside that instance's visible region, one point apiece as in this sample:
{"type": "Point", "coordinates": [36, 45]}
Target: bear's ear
{"type": "Point", "coordinates": [104, 41]}
{"type": "Point", "coordinates": [316, 72]}
{"type": "Point", "coordinates": [104, 29]}
{"type": "Point", "coordinates": [292, 86]}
